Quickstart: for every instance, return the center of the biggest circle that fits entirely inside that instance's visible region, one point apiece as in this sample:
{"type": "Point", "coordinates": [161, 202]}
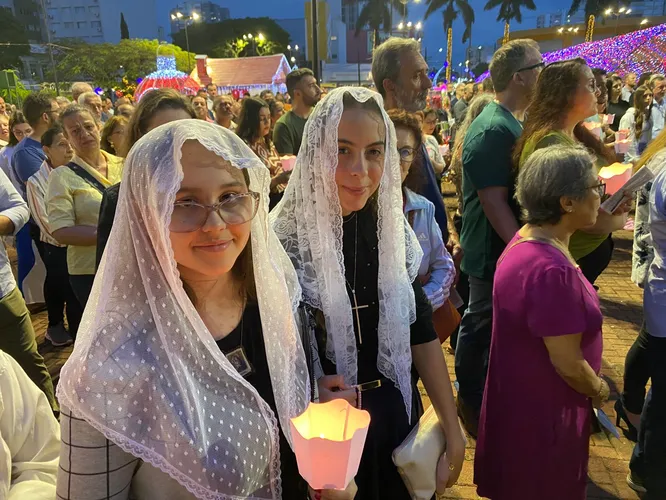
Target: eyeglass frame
{"type": "Point", "coordinates": [413, 155]}
{"type": "Point", "coordinates": [216, 208]}
{"type": "Point", "coordinates": [541, 64]}
{"type": "Point", "coordinates": [601, 189]}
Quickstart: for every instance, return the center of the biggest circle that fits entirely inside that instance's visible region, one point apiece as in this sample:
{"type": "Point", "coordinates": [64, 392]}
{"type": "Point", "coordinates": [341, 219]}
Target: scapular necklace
{"type": "Point", "coordinates": [356, 307]}
{"type": "Point", "coordinates": [238, 357]}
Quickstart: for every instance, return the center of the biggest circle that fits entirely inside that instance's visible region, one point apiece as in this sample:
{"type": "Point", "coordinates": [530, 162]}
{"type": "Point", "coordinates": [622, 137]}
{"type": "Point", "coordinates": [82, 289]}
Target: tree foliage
{"type": "Point", "coordinates": [451, 10]}
{"type": "Point", "coordinates": [376, 15]}
{"type": "Point", "coordinates": [106, 64]}
{"type": "Point", "coordinates": [124, 29]}
{"type": "Point", "coordinates": [13, 41]}
{"type": "Point", "coordinates": [225, 39]}
{"type": "Point", "coordinates": [593, 7]}
{"type": "Point", "coordinates": [509, 10]}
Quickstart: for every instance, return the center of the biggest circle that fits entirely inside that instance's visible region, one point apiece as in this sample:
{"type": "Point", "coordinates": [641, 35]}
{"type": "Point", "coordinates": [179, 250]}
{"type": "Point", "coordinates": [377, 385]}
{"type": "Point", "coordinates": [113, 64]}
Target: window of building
{"type": "Point", "coordinates": [81, 24]}
{"type": "Point", "coordinates": [69, 26]}
{"type": "Point", "coordinates": [95, 24]}
{"type": "Point", "coordinates": [79, 11]}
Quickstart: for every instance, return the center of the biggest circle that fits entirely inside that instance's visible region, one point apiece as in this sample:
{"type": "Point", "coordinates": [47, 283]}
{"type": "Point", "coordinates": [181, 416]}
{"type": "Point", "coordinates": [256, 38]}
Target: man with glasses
{"type": "Point", "coordinates": [658, 86]}
{"type": "Point", "coordinates": [305, 94]}
{"type": "Point", "coordinates": [490, 212]}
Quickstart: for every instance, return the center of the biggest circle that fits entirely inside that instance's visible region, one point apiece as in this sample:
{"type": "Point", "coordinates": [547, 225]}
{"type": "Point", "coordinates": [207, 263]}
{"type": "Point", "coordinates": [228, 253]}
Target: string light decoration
{"type": "Point", "coordinates": [590, 29]}
{"type": "Point", "coordinates": [637, 52]}
{"type": "Point", "coordinates": [506, 37]}
{"type": "Point", "coordinates": [167, 76]}
{"type": "Point", "coordinates": [449, 53]}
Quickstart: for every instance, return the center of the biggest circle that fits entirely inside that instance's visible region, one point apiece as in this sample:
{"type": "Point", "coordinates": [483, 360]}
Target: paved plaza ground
{"type": "Point", "coordinates": [621, 302]}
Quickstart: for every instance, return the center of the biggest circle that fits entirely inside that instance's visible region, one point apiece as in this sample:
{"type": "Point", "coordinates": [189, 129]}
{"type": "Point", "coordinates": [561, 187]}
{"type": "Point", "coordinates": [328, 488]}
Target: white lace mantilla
{"type": "Point", "coordinates": [146, 371]}
{"type": "Point", "coordinates": [308, 222]}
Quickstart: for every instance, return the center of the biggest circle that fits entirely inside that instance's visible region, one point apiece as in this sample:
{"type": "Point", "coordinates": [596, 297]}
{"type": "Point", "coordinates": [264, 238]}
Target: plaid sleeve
{"type": "Point", "coordinates": [91, 466]}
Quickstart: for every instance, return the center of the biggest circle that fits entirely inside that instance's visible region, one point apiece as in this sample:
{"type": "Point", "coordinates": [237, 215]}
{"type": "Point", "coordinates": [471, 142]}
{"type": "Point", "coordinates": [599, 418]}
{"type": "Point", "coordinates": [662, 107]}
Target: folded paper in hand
{"type": "Point", "coordinates": [642, 177]}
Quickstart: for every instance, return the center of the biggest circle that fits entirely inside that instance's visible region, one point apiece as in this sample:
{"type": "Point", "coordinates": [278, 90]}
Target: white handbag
{"type": "Point", "coordinates": [416, 458]}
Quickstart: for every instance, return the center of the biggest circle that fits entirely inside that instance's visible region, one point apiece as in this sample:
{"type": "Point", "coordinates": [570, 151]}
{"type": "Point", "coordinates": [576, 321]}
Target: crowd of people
{"type": "Point", "coordinates": [263, 252]}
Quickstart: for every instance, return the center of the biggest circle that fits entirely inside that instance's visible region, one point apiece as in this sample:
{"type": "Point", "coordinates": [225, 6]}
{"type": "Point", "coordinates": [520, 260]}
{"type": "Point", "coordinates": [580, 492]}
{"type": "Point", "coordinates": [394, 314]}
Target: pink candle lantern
{"type": "Point", "coordinates": [444, 149]}
{"type": "Point", "coordinates": [609, 119]}
{"type": "Point", "coordinates": [288, 163]}
{"type": "Point", "coordinates": [592, 126]}
{"type": "Point", "coordinates": [621, 135]}
{"type": "Point", "coordinates": [622, 147]}
{"type": "Point", "coordinates": [328, 442]}
{"type": "Point", "coordinates": [615, 176]}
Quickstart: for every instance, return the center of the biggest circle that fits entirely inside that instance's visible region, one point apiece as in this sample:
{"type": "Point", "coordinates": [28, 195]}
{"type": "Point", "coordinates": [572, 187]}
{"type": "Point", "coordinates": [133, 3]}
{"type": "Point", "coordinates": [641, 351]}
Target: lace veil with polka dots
{"type": "Point", "coordinates": [145, 370]}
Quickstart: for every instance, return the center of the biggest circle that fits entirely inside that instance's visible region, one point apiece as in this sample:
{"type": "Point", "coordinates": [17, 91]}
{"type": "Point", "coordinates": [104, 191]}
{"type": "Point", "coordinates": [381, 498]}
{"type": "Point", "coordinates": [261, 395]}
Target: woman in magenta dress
{"type": "Point", "coordinates": [545, 356]}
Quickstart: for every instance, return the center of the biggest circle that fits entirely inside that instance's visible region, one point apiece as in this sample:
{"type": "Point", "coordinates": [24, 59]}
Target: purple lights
{"type": "Point", "coordinates": [638, 52]}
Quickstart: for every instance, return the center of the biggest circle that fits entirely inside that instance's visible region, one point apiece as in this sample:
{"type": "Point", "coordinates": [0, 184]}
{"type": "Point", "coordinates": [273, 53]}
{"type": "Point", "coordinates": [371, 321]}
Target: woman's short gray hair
{"type": "Point", "coordinates": [550, 174]}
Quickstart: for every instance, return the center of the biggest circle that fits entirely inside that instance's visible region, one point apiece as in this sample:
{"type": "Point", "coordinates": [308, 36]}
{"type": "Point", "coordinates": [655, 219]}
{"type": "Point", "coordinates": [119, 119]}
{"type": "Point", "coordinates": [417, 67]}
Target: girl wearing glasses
{"type": "Point", "coordinates": [437, 271]}
{"type": "Point", "coordinates": [254, 127]}
{"type": "Point", "coordinates": [566, 94]}
{"type": "Point", "coordinates": [342, 224]}
{"type": "Point", "coordinates": [187, 368]}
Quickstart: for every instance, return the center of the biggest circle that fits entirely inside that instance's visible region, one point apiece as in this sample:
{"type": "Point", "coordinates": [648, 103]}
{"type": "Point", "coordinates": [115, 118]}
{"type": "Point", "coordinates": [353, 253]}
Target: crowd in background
{"type": "Point", "coordinates": [507, 277]}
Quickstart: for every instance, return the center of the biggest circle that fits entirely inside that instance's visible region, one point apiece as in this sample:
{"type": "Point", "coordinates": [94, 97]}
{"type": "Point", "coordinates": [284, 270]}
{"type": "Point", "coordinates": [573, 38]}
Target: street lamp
{"type": "Point", "coordinates": [194, 16]}
{"type": "Point", "coordinates": [401, 25]}
{"type": "Point", "coordinates": [617, 13]}
{"type": "Point", "coordinates": [644, 22]}
{"type": "Point", "coordinates": [261, 38]}
{"type": "Point", "coordinates": [293, 59]}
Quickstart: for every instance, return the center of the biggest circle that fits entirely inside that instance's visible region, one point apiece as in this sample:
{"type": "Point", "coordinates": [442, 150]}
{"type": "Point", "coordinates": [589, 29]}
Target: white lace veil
{"type": "Point", "coordinates": [308, 222]}
{"type": "Point", "coordinates": [145, 370]}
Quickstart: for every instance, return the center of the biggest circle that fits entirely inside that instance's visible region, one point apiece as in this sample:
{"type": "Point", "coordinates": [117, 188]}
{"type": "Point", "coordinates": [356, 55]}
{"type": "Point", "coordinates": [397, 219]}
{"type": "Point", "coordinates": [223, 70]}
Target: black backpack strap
{"type": "Point", "coordinates": [86, 176]}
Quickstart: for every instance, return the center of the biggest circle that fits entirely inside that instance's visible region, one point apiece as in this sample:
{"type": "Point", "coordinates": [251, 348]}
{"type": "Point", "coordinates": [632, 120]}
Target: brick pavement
{"type": "Point", "coordinates": [609, 457]}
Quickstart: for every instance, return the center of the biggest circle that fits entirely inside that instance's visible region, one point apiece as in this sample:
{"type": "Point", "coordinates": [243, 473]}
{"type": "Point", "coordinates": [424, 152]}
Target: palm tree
{"type": "Point", "coordinates": [510, 10]}
{"type": "Point", "coordinates": [593, 9]}
{"type": "Point", "coordinates": [377, 15]}
{"type": "Point", "coordinates": [450, 13]}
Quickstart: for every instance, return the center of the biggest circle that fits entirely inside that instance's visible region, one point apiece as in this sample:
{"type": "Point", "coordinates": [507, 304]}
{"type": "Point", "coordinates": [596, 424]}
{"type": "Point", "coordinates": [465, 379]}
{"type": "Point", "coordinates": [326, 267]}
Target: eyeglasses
{"type": "Point", "coordinates": [533, 66]}
{"type": "Point", "coordinates": [601, 189]}
{"type": "Point", "coordinates": [406, 153]}
{"type": "Point", "coordinates": [189, 216]}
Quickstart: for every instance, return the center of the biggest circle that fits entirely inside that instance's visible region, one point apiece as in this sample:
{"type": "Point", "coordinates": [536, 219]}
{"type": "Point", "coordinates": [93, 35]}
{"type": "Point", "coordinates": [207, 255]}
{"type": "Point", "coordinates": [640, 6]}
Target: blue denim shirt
{"type": "Point", "coordinates": [654, 297]}
{"type": "Point", "coordinates": [437, 270]}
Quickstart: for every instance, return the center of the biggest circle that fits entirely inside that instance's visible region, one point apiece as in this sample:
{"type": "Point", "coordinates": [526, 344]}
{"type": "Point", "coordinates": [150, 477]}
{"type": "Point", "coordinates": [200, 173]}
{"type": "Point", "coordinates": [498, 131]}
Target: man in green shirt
{"type": "Point", "coordinates": [305, 94]}
{"type": "Point", "coordinates": [490, 213]}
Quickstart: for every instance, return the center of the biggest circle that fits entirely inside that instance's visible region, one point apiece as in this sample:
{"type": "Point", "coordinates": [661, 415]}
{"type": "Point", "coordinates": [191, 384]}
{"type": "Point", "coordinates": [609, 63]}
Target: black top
{"type": "Point", "coordinates": [367, 270]}
{"type": "Point", "coordinates": [618, 109]}
{"type": "Point", "coordinates": [249, 334]}
{"type": "Point", "coordinates": [377, 478]}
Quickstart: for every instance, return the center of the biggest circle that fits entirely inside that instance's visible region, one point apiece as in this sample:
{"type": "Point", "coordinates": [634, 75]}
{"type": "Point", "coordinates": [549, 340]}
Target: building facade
{"type": "Point", "coordinates": [98, 21]}
{"type": "Point", "coordinates": [209, 12]}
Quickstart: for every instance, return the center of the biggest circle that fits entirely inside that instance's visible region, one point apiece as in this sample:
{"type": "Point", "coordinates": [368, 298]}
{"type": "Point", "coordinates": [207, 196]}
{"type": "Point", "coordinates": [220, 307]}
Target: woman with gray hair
{"type": "Point", "coordinates": [546, 348]}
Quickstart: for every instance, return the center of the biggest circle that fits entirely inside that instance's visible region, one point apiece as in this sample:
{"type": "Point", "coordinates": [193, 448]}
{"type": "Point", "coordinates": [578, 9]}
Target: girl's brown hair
{"type": "Point", "coordinates": [150, 104]}
{"type": "Point", "coordinates": [403, 119]}
{"type": "Point", "coordinates": [642, 111]}
{"type": "Point", "coordinates": [107, 131]}
{"type": "Point", "coordinates": [553, 98]}
{"type": "Point", "coordinates": [17, 118]}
